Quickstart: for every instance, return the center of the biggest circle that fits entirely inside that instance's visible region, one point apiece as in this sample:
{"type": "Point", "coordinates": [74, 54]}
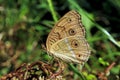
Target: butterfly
{"type": "Point", "coordinates": [67, 39]}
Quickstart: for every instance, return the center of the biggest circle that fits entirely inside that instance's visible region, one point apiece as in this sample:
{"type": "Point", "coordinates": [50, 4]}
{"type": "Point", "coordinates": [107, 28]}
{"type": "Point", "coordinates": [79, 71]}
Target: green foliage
{"type": "Point", "coordinates": [25, 24]}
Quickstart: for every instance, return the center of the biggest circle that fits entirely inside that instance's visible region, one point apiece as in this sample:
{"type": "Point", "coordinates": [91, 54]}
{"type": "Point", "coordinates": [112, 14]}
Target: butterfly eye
{"type": "Point", "coordinates": [71, 32]}
{"type": "Point", "coordinates": [75, 43]}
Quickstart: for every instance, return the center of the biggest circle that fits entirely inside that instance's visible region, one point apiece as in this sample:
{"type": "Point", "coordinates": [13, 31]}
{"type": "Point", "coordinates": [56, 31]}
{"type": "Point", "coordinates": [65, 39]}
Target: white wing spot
{"type": "Point", "coordinates": [69, 47]}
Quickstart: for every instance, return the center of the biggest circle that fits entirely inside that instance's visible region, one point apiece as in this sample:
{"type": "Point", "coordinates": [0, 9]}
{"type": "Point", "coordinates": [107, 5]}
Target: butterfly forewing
{"type": "Point", "coordinates": [69, 25]}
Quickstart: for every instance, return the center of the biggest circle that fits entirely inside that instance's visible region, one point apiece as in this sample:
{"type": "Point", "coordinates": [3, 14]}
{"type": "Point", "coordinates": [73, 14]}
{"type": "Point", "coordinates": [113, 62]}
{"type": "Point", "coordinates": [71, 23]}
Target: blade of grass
{"type": "Point", "coordinates": [107, 34]}
{"type": "Point", "coordinates": [77, 72]}
{"type": "Point", "coordinates": [52, 10]}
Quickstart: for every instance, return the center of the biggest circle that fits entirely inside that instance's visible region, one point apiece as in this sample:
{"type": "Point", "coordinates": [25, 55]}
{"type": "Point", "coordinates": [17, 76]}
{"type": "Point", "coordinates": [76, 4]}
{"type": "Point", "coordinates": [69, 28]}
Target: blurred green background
{"type": "Point", "coordinates": [25, 24]}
